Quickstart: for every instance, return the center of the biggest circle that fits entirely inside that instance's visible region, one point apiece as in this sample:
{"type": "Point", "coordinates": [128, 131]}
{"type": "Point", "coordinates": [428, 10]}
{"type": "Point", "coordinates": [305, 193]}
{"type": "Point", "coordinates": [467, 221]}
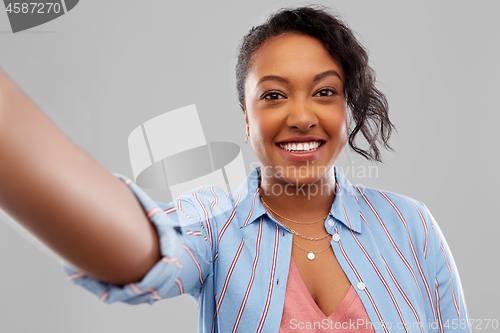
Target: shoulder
{"type": "Point", "coordinates": [394, 209]}
{"type": "Point", "coordinates": [211, 203]}
{"type": "Point", "coordinates": [203, 202]}
{"type": "Point", "coordinates": [405, 220]}
{"type": "Point", "coordinates": [383, 200]}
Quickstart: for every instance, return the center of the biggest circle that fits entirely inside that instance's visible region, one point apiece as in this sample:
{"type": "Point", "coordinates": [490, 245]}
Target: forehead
{"type": "Point", "coordinates": [290, 55]}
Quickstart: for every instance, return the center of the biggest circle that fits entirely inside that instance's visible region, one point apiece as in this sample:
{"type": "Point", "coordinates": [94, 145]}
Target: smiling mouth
{"type": "Point", "coordinates": [301, 147]}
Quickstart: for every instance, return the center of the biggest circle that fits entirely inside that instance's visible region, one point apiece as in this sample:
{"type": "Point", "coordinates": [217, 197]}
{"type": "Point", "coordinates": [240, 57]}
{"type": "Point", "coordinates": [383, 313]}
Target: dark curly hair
{"type": "Point", "coordinates": [368, 105]}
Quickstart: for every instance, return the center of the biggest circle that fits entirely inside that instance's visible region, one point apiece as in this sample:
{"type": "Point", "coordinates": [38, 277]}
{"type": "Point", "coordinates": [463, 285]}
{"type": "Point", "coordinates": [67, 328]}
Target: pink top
{"type": "Point", "coordinates": [302, 314]}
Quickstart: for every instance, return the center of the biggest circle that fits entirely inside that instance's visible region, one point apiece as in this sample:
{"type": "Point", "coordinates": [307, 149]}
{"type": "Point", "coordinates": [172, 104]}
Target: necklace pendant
{"type": "Point", "coordinates": [311, 256]}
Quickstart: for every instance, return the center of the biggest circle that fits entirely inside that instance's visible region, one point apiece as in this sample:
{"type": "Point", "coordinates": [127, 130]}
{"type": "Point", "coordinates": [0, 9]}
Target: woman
{"type": "Point", "coordinates": [296, 246]}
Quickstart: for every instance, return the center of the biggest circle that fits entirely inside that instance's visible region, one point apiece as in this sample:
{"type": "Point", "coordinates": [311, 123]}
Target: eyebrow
{"type": "Point", "coordinates": [271, 78]}
{"type": "Point", "coordinates": [327, 73]}
{"type": "Point", "coordinates": [284, 80]}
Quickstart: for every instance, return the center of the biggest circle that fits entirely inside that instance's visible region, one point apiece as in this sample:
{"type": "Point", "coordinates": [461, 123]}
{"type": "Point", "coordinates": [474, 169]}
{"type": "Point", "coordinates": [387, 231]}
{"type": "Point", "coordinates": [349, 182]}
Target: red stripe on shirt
{"type": "Point", "coordinates": [153, 211]}
{"type": "Point", "coordinates": [373, 265]}
{"type": "Point", "coordinates": [191, 254]}
{"type": "Point", "coordinates": [412, 248]}
{"type": "Point", "coordinates": [169, 210]}
{"type": "Point", "coordinates": [271, 281]}
{"type": "Point", "coordinates": [252, 277]}
{"type": "Point", "coordinates": [76, 276]}
{"type": "Point", "coordinates": [226, 282]}
{"type": "Point", "coordinates": [425, 226]}
{"type": "Point", "coordinates": [403, 294]}
{"type": "Point", "coordinates": [419, 267]}
{"type": "Point", "coordinates": [207, 220]}
{"type": "Point", "coordinates": [407, 264]}
{"type": "Point", "coordinates": [352, 190]}
{"type": "Point", "coordinates": [138, 291]}
{"type": "Point", "coordinates": [363, 217]}
{"type": "Point", "coordinates": [360, 280]}
{"type": "Point", "coordinates": [194, 233]}
{"type": "Point", "coordinates": [155, 294]}
{"type": "Point", "coordinates": [216, 200]}
{"type": "Point", "coordinates": [449, 270]}
{"type": "Point", "coordinates": [251, 209]}
{"type": "Point", "coordinates": [172, 260]}
{"type": "Point", "coordinates": [233, 213]}
{"type": "Point", "coordinates": [438, 308]}
{"type": "Point", "coordinates": [179, 284]}
{"type": "Point", "coordinates": [104, 296]}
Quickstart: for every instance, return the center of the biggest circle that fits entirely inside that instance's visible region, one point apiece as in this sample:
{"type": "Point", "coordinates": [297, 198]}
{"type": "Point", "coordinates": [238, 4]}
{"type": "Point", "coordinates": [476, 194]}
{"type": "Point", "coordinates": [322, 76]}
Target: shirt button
{"type": "Point", "coordinates": [336, 237]}
{"type": "Point", "coordinates": [331, 223]}
{"type": "Point", "coordinates": [361, 286]}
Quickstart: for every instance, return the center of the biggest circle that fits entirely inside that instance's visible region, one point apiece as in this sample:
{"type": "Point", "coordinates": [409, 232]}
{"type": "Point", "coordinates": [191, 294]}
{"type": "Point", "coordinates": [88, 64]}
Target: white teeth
{"type": "Point", "coordinates": [301, 147]}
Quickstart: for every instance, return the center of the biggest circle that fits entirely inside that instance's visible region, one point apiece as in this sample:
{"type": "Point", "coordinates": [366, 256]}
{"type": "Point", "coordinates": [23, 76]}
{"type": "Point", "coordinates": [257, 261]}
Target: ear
{"type": "Point", "coordinates": [245, 112]}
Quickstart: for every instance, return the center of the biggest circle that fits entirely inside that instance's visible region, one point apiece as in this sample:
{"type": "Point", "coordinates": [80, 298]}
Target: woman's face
{"type": "Point", "coordinates": [295, 109]}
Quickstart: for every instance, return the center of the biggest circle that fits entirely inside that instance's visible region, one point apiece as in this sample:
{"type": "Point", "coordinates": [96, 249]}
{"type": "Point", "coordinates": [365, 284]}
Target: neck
{"type": "Point", "coordinates": [299, 201]}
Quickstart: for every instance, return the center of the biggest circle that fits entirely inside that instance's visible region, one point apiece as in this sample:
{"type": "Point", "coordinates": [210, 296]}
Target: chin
{"type": "Point", "coordinates": [307, 175]}
{"type": "Point", "coordinates": [319, 180]}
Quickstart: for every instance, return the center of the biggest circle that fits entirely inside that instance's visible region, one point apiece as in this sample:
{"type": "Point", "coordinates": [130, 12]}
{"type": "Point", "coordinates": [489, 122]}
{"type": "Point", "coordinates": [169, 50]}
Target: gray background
{"type": "Point", "coordinates": [107, 66]}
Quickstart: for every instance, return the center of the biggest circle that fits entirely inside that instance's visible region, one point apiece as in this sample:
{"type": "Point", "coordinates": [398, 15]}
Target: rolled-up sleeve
{"type": "Point", "coordinates": [185, 234]}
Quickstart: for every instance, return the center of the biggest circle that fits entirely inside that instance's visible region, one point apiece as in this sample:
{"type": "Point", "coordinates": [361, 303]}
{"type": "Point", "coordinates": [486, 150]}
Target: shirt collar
{"type": "Point", "coordinates": [249, 208]}
{"type": "Point", "coordinates": [246, 199]}
{"type": "Point", "coordinates": [345, 207]}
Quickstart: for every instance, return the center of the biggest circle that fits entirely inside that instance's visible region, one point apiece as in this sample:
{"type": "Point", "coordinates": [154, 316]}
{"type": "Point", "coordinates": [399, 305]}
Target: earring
{"type": "Point", "coordinates": [247, 134]}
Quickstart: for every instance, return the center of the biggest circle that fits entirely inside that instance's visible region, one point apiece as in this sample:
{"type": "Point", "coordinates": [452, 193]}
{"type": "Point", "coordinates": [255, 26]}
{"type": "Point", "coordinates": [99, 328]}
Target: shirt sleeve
{"type": "Point", "coordinates": [449, 301]}
{"type": "Point", "coordinates": [185, 232]}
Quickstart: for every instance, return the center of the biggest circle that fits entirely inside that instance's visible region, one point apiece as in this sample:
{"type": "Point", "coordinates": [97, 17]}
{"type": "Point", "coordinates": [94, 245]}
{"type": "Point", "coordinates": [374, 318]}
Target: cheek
{"type": "Point", "coordinates": [262, 122]}
{"type": "Point", "coordinates": [338, 126]}
{"type": "Point", "coordinates": [257, 127]}
{"type": "Point", "coordinates": [344, 129]}
{"type": "Point", "coordinates": [261, 131]}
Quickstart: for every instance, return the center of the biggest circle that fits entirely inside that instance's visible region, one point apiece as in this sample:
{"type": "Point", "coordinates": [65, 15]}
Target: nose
{"type": "Point", "coordinates": [301, 116]}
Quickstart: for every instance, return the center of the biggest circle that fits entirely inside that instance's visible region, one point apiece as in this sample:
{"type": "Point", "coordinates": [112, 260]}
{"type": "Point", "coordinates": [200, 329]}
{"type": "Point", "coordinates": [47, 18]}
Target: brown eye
{"type": "Point", "coordinates": [273, 96]}
{"type": "Point", "coordinates": [324, 93]}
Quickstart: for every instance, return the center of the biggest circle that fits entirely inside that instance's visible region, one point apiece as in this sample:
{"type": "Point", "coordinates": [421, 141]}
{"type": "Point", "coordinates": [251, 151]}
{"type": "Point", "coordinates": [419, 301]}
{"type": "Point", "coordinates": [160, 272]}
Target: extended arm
{"type": "Point", "coordinates": [66, 198]}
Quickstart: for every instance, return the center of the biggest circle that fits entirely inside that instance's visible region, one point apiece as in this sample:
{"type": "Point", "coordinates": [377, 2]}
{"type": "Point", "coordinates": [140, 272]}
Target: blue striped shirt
{"type": "Point", "coordinates": [232, 257]}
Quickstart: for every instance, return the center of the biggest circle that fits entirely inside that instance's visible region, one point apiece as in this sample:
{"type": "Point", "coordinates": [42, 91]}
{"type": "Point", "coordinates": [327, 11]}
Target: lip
{"type": "Point", "coordinates": [302, 139]}
{"type": "Point", "coordinates": [301, 157]}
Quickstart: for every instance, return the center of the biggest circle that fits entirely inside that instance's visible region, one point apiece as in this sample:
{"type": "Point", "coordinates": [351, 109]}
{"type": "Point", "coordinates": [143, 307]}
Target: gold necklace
{"type": "Point", "coordinates": [306, 237]}
{"type": "Point", "coordinates": [312, 254]}
{"type": "Point", "coordinates": [267, 206]}
{"type": "Point", "coordinates": [303, 236]}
